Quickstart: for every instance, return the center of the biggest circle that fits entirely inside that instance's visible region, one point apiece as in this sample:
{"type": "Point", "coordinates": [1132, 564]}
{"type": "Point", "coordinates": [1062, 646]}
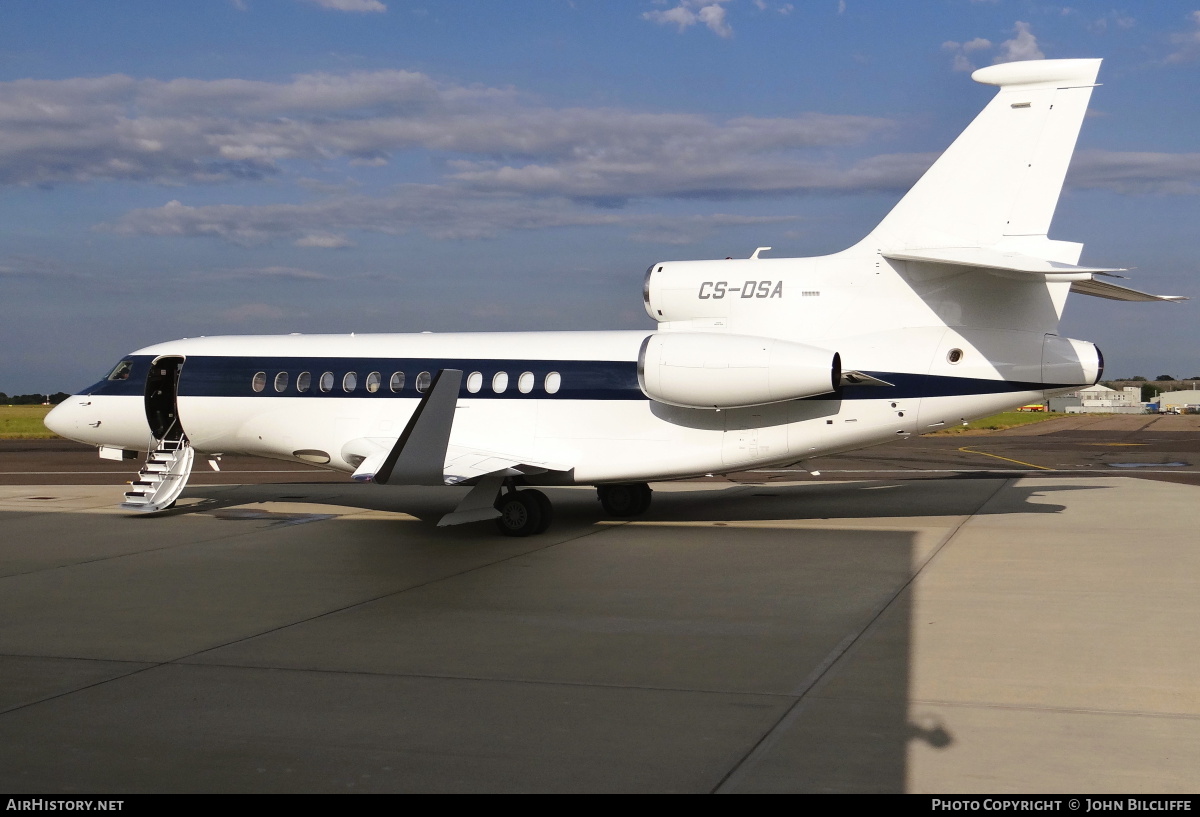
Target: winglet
{"type": "Point", "coordinates": [419, 455]}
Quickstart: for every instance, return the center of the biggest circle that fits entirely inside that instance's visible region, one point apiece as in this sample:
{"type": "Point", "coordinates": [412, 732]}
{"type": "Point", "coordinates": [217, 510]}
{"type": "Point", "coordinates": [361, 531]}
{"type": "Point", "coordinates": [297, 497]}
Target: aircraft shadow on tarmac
{"type": "Point", "coordinates": [699, 650]}
{"type": "Point", "coordinates": [743, 503]}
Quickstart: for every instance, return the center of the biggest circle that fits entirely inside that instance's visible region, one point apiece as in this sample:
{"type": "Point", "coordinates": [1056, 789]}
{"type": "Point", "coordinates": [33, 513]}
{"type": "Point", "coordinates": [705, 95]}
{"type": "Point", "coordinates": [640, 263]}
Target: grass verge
{"type": "Point", "coordinates": [1001, 421]}
{"type": "Point", "coordinates": [24, 423]}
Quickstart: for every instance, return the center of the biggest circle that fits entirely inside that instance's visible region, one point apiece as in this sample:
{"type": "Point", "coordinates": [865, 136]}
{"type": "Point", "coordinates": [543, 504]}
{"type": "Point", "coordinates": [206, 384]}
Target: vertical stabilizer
{"type": "Point", "coordinates": [999, 183]}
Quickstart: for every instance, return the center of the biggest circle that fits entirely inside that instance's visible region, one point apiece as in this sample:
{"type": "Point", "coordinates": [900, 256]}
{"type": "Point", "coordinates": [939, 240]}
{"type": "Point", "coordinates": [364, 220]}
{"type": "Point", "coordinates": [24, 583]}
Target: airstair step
{"type": "Point", "coordinates": [161, 478]}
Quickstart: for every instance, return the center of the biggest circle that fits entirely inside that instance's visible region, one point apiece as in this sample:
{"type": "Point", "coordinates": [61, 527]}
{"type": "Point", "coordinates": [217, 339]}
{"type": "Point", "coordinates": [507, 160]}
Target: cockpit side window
{"type": "Point", "coordinates": [121, 371]}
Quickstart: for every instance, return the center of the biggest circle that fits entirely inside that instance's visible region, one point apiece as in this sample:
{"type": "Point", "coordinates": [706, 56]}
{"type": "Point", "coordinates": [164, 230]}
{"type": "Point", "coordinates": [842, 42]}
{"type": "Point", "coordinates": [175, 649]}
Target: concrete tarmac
{"type": "Point", "coordinates": [1008, 632]}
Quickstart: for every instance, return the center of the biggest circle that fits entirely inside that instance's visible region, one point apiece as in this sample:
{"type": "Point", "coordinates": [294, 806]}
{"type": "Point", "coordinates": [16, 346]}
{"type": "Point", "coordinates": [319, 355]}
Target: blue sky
{"type": "Point", "coordinates": [206, 167]}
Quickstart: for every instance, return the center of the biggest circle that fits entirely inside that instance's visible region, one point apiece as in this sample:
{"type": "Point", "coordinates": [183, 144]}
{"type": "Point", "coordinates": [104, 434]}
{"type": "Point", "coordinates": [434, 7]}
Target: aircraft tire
{"type": "Point", "coordinates": [624, 499]}
{"type": "Point", "coordinates": [546, 508]}
{"type": "Point", "coordinates": [520, 513]}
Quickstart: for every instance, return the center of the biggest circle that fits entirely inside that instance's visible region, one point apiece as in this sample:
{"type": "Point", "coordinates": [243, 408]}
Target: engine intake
{"type": "Point", "coordinates": [709, 370]}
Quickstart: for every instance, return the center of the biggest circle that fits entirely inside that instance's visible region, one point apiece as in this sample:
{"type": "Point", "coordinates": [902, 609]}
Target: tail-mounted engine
{"type": "Point", "coordinates": [690, 290]}
{"type": "Point", "coordinates": [711, 370]}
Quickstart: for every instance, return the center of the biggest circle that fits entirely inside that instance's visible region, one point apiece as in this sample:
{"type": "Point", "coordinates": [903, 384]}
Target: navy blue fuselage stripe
{"type": "Point", "coordinates": [581, 379]}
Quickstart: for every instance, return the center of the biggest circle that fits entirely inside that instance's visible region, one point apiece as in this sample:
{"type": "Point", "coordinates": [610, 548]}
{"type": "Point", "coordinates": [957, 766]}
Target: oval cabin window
{"type": "Point", "coordinates": [474, 382]}
{"type": "Point", "coordinates": [259, 382]}
{"type": "Point", "coordinates": [303, 381]}
{"type": "Point", "coordinates": [553, 382]}
{"type": "Point", "coordinates": [281, 381]}
{"type": "Point", "coordinates": [423, 382]}
{"type": "Point", "coordinates": [373, 380]}
{"type": "Point", "coordinates": [396, 384]}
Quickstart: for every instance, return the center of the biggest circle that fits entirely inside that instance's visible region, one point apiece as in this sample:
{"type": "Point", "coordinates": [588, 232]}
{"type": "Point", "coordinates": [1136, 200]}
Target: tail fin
{"type": "Point", "coordinates": [999, 183]}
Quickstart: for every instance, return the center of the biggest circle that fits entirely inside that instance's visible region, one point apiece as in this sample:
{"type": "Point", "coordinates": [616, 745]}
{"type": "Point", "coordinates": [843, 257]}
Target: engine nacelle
{"type": "Point", "coordinates": [710, 370]}
{"type": "Point", "coordinates": [690, 290]}
{"type": "Point", "coordinates": [1068, 362]}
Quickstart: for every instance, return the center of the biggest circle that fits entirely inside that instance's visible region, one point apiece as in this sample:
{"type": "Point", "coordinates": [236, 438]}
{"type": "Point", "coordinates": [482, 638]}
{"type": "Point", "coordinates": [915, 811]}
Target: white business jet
{"type": "Point", "coordinates": [946, 312]}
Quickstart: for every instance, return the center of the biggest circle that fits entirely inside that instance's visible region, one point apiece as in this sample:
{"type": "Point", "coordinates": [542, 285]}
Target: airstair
{"type": "Point", "coordinates": [162, 478]}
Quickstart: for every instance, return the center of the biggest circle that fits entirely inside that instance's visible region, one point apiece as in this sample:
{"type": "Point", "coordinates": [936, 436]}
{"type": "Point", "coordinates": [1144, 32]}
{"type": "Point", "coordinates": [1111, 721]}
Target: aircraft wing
{"type": "Point", "coordinates": [464, 464]}
{"type": "Point", "coordinates": [423, 454]}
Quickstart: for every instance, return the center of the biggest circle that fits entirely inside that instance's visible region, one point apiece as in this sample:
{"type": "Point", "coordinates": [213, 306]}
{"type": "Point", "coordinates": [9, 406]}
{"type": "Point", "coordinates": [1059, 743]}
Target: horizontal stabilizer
{"type": "Point", "coordinates": [989, 259]}
{"type": "Point", "coordinates": [1103, 289]}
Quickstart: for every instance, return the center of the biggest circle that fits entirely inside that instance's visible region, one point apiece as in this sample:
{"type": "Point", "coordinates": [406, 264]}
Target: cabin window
{"type": "Point", "coordinates": [303, 381]}
{"type": "Point", "coordinates": [474, 382]}
{"type": "Point", "coordinates": [349, 382]}
{"type": "Point", "coordinates": [553, 382]}
{"type": "Point", "coordinates": [121, 371]}
{"type": "Point", "coordinates": [500, 382]}
{"type": "Point", "coordinates": [281, 380]}
{"type": "Point", "coordinates": [259, 382]}
{"type": "Point", "coordinates": [396, 384]}
{"type": "Point", "coordinates": [423, 382]}
{"type": "Point", "coordinates": [372, 383]}
{"type": "Point", "coordinates": [327, 382]}
{"type": "Point", "coordinates": [525, 382]}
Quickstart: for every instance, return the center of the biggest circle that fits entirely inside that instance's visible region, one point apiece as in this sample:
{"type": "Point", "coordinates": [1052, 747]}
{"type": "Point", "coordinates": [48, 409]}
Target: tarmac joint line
{"type": "Point", "coordinates": [1006, 459]}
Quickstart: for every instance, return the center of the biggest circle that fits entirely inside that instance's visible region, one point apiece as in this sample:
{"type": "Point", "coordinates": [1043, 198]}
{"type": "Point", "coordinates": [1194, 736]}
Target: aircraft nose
{"type": "Point", "coordinates": [63, 419]}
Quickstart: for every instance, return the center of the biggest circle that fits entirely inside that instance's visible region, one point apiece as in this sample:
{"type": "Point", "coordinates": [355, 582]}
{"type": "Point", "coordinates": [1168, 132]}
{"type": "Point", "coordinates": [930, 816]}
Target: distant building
{"type": "Point", "coordinates": [1100, 400]}
{"type": "Point", "coordinates": [1178, 399]}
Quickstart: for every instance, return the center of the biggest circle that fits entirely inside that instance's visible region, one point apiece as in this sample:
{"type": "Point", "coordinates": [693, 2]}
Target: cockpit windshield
{"type": "Point", "coordinates": [121, 371]}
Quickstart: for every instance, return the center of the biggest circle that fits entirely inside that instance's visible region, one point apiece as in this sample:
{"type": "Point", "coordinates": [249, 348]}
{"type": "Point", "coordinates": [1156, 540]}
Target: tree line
{"type": "Point", "coordinates": [32, 399]}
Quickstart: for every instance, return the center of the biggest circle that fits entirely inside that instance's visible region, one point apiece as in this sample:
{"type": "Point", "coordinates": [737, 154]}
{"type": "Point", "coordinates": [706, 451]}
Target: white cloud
{"type": "Point", "coordinates": [690, 12]}
{"type": "Point", "coordinates": [537, 198]}
{"type": "Point", "coordinates": [1136, 172]}
{"type": "Point", "coordinates": [351, 5]}
{"type": "Point", "coordinates": [1114, 18]}
{"type": "Point", "coordinates": [713, 16]}
{"type": "Point", "coordinates": [449, 212]}
{"type": "Point", "coordinates": [961, 51]}
{"type": "Point", "coordinates": [328, 241]}
{"type": "Point", "coordinates": [438, 212]}
{"type": "Point", "coordinates": [290, 273]}
{"type": "Point", "coordinates": [1186, 43]}
{"type": "Point", "coordinates": [208, 131]}
{"type": "Point", "coordinates": [1023, 46]}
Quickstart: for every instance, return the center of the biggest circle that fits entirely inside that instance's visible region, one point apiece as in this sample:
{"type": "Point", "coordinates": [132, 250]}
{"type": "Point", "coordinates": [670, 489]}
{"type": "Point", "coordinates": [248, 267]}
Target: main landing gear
{"type": "Point", "coordinates": [528, 511]}
{"type": "Point", "coordinates": [523, 513]}
{"type": "Point", "coordinates": [624, 499]}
